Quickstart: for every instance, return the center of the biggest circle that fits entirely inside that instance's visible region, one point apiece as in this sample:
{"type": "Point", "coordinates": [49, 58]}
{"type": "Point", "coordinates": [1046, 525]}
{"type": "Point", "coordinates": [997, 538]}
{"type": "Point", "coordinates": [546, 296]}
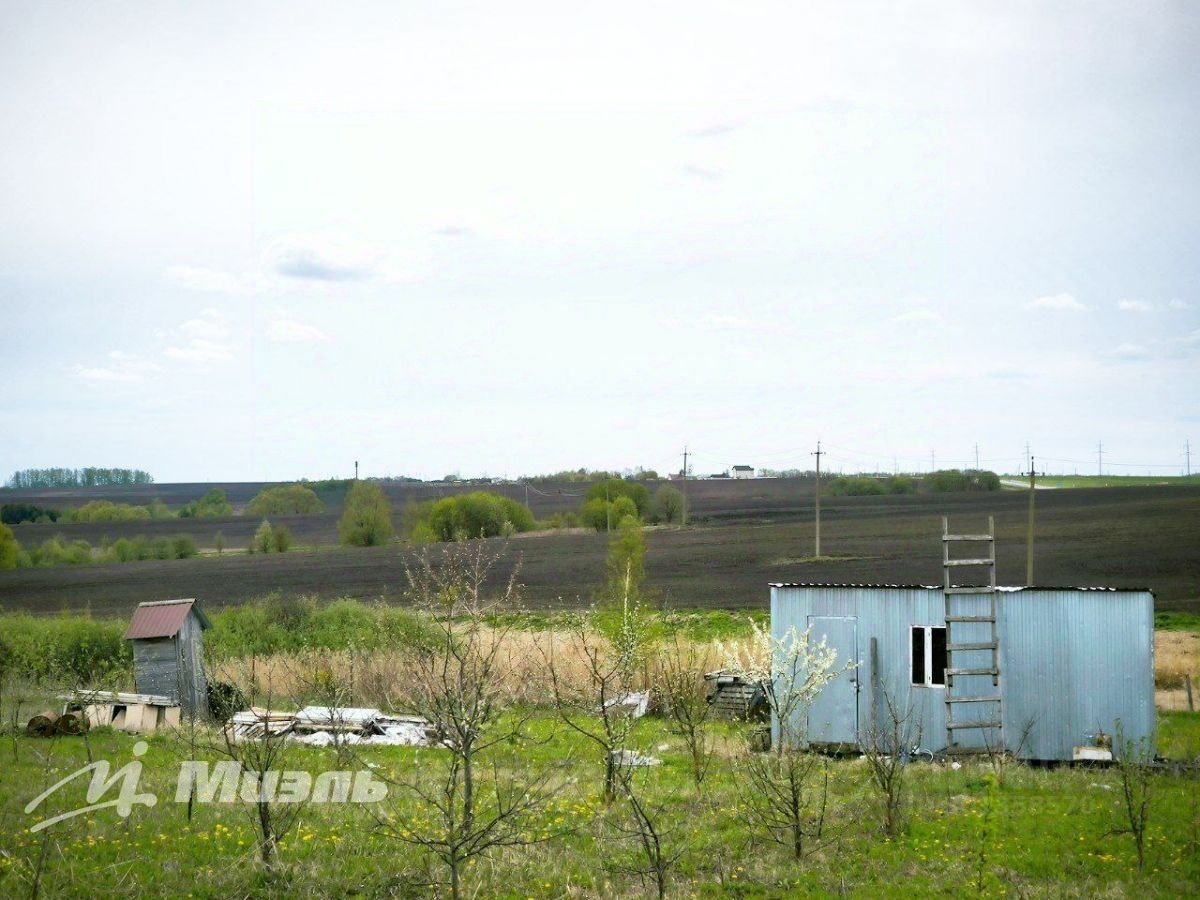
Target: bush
{"type": "Point", "coordinates": [668, 504]}
{"type": "Point", "coordinates": [9, 548]}
{"type": "Point", "coordinates": [106, 511]}
{"type": "Point", "coordinates": [367, 519]}
{"type": "Point", "coordinates": [75, 649]}
{"type": "Point", "coordinates": [264, 539]}
{"type": "Point", "coordinates": [856, 486]}
{"type": "Point", "coordinates": [613, 488]}
{"type": "Point", "coordinates": [183, 546]}
{"type": "Point", "coordinates": [901, 484]}
{"type": "Point", "coordinates": [478, 514]}
{"type": "Point", "coordinates": [213, 504]}
{"type": "Point", "coordinates": [283, 539]}
{"type": "Point", "coordinates": [285, 500]}
{"type": "Point", "coordinates": [16, 513]}
{"type": "Point", "coordinates": [604, 516]}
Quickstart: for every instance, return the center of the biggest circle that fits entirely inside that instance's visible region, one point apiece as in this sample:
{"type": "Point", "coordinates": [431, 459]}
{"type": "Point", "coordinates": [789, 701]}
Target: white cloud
{"type": "Point", "coordinates": [1140, 306]}
{"type": "Point", "coordinates": [289, 331]}
{"type": "Point", "coordinates": [121, 367]}
{"type": "Point", "coordinates": [1056, 301]}
{"type": "Point", "coordinates": [209, 325]}
{"type": "Point", "coordinates": [212, 281]}
{"type": "Point", "coordinates": [1178, 304]}
{"type": "Point", "coordinates": [923, 314]}
{"type": "Point", "coordinates": [1130, 351]}
{"type": "Point", "coordinates": [200, 350]}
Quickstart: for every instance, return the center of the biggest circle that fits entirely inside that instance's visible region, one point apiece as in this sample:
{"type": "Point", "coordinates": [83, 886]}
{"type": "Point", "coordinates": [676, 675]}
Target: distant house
{"type": "Point", "coordinates": [743, 471]}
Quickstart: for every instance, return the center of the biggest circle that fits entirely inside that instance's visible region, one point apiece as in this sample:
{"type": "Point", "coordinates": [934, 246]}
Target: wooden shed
{"type": "Point", "coordinates": [168, 652]}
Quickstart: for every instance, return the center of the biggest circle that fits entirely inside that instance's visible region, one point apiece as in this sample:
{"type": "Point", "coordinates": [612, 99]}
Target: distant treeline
{"type": "Point", "coordinates": [590, 475]}
{"type": "Point", "coordinates": [945, 481]}
{"type": "Point", "coordinates": [86, 477]}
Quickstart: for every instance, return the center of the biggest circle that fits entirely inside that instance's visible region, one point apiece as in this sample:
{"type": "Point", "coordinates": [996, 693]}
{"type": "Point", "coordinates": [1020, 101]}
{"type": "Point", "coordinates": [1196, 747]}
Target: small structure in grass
{"type": "Point", "coordinates": [168, 652]}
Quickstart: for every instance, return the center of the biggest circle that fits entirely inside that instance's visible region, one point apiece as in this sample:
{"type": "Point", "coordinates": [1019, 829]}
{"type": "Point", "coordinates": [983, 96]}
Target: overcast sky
{"type": "Point", "coordinates": [245, 241]}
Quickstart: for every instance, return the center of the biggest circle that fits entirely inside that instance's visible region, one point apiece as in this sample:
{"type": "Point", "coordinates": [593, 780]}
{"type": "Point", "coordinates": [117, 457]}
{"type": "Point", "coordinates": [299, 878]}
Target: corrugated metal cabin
{"type": "Point", "coordinates": [1070, 663]}
{"type": "Point", "coordinates": [168, 652]}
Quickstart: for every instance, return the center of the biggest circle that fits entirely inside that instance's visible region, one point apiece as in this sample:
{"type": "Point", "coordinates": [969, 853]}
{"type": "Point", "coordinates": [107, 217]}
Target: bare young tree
{"type": "Point", "coordinates": [786, 792]}
{"type": "Point", "coordinates": [1135, 767]}
{"type": "Point", "coordinates": [886, 745]}
{"type": "Point", "coordinates": [644, 824]}
{"type": "Point", "coordinates": [593, 707]}
{"type": "Point", "coordinates": [462, 682]}
{"type": "Point", "coordinates": [685, 700]}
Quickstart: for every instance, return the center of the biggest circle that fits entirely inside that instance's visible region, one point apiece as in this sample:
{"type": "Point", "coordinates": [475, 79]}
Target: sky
{"type": "Point", "coordinates": [260, 241]}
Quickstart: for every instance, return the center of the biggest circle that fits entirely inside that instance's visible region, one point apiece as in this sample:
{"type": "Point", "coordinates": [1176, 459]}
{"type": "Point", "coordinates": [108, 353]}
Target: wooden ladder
{"type": "Point", "coordinates": [972, 642]}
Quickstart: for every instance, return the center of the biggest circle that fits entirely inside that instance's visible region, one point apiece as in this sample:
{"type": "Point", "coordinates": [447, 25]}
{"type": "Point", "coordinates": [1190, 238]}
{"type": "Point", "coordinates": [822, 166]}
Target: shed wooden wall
{"type": "Point", "coordinates": [174, 667]}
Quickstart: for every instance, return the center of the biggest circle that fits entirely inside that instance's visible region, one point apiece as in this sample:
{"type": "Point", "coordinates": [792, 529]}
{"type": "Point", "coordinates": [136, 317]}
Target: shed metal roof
{"type": "Point", "coordinates": [938, 587]}
{"type": "Point", "coordinates": [162, 619]}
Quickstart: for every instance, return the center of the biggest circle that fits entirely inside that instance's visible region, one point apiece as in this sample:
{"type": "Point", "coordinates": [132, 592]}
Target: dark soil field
{"type": "Point", "coordinates": [748, 534]}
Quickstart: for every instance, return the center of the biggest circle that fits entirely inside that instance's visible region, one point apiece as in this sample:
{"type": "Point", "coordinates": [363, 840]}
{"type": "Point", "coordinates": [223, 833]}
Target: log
{"type": "Point", "coordinates": [43, 724]}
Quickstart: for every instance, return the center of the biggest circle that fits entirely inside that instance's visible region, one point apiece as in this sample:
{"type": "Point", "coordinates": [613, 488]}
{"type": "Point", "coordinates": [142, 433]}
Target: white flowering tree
{"type": "Point", "coordinates": [785, 794]}
{"type": "Point", "coordinates": [793, 669]}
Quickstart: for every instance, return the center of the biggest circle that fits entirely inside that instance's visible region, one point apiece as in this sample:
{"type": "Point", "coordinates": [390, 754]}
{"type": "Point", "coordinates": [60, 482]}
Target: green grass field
{"type": "Point", "coordinates": [1097, 481]}
{"type": "Point", "coordinates": [1042, 832]}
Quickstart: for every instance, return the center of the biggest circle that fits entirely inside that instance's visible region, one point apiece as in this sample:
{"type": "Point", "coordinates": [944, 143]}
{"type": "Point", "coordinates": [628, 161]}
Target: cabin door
{"type": "Point", "coordinates": [833, 716]}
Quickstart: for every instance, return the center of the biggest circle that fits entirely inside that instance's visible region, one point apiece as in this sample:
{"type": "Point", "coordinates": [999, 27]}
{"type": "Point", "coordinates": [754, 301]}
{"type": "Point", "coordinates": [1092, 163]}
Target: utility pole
{"type": "Point", "coordinates": [356, 470]}
{"type": "Point", "coordinates": [817, 454]}
{"type": "Point", "coordinates": [1029, 530]}
{"type": "Point", "coordinates": [932, 463]}
{"type": "Point", "coordinates": [1027, 462]}
{"type": "Point", "coordinates": [1187, 455]}
{"type": "Point", "coordinates": [683, 516]}
{"type": "Point", "coordinates": [1100, 458]}
{"type": "Point", "coordinates": [977, 456]}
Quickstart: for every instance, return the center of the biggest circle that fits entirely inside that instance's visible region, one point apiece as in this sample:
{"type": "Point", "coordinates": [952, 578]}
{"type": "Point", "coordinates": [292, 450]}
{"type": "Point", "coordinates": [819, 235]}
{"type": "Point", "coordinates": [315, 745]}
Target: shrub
{"type": "Point", "coordinates": [159, 510]}
{"type": "Point", "coordinates": [285, 500]}
{"type": "Point", "coordinates": [183, 546]}
{"type": "Point", "coordinates": [9, 548]}
{"type": "Point", "coordinates": [604, 516]}
{"type": "Point", "coordinates": [283, 539]}
{"type": "Point", "coordinates": [106, 511]}
{"type": "Point", "coordinates": [668, 504]}
{"type": "Point", "coordinates": [74, 649]}
{"type": "Point", "coordinates": [856, 486]}
{"type": "Point", "coordinates": [264, 539]}
{"type": "Point", "coordinates": [613, 488]}
{"type": "Point", "coordinates": [367, 519]}
{"type": "Point", "coordinates": [213, 504]}
{"type": "Point", "coordinates": [901, 484]}
{"type": "Point", "coordinates": [478, 514]}
{"type": "Point", "coordinates": [16, 513]}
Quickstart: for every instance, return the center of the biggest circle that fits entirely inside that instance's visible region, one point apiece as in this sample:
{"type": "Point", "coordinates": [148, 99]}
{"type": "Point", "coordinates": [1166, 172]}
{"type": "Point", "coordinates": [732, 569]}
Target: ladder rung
{"type": "Point", "coordinates": [978, 645]}
{"type": "Point", "coordinates": [972, 699]}
{"type": "Point", "coordinates": [981, 589]}
{"type": "Point", "coordinates": [953, 673]}
{"type": "Point", "coordinates": [970, 618]}
{"type": "Point", "coordinates": [955, 750]}
{"type": "Point", "coordinates": [973, 725]}
{"type": "Point", "coordinates": [970, 562]}
{"type": "Point", "coordinates": [966, 537]}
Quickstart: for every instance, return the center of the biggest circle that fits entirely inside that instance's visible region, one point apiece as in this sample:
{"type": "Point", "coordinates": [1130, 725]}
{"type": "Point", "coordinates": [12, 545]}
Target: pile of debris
{"type": "Point", "coordinates": [735, 697]}
{"type": "Point", "coordinates": [135, 713]}
{"type": "Point", "coordinates": [323, 726]}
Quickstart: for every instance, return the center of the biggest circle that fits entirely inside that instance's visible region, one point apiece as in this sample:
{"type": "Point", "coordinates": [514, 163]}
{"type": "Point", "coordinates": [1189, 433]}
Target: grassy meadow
{"type": "Point", "coordinates": [985, 828]}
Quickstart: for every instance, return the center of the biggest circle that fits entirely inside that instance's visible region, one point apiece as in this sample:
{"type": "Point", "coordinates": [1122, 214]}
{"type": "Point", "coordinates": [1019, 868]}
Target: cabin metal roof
{"type": "Point", "coordinates": [938, 587]}
{"type": "Point", "coordinates": [162, 619]}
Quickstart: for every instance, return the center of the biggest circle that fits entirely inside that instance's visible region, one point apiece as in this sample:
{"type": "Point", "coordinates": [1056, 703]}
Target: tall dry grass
{"type": "Point", "coordinates": [379, 678]}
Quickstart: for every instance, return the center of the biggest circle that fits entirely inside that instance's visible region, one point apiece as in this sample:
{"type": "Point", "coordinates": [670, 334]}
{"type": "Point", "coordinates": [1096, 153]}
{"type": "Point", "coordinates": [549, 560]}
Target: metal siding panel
{"type": "Point", "coordinates": [1071, 661]}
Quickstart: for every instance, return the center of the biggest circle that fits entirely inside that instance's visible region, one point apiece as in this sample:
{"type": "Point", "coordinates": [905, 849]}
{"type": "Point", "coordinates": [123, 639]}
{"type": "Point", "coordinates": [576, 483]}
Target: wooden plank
{"type": "Point", "coordinates": [954, 673]}
{"type": "Point", "coordinates": [979, 645]}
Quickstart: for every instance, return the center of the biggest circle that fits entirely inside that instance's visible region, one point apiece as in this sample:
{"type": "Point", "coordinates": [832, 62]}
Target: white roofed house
{"type": "Point", "coordinates": [743, 471]}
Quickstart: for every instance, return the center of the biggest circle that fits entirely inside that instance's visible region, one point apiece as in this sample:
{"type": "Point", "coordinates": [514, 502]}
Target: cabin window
{"type": "Point", "coordinates": [927, 648]}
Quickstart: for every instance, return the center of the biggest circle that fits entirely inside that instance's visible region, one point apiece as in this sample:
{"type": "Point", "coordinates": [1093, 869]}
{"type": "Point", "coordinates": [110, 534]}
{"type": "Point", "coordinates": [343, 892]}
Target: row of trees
{"type": "Point", "coordinates": [86, 477]}
{"type": "Point", "coordinates": [58, 551]}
